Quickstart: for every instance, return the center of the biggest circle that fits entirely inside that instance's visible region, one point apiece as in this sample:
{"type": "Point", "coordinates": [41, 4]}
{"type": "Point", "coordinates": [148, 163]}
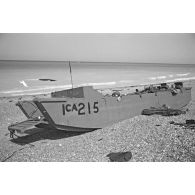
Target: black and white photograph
{"type": "Point", "coordinates": [113, 97]}
{"type": "Point", "coordinates": [97, 97]}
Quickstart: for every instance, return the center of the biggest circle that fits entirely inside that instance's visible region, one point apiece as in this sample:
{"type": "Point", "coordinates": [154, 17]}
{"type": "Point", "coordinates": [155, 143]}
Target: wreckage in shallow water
{"type": "Point", "coordinates": [86, 109]}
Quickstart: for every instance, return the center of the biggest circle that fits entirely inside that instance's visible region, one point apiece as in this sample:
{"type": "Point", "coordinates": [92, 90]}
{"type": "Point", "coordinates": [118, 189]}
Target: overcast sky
{"type": "Point", "coordinates": [147, 48]}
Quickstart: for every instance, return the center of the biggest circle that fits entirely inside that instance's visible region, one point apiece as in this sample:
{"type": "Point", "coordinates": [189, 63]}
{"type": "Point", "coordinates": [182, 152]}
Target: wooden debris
{"type": "Point", "coordinates": [164, 111]}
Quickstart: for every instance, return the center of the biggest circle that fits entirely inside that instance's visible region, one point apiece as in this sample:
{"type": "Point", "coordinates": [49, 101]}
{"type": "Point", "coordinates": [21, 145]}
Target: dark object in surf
{"type": "Point", "coordinates": [120, 156]}
{"type": "Point", "coordinates": [164, 111]}
{"type": "Point", "coordinates": [47, 79]}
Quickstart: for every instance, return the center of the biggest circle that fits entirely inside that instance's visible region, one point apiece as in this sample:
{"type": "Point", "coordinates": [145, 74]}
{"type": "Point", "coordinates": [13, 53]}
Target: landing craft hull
{"type": "Point", "coordinates": [85, 114]}
{"type": "Point", "coordinates": [85, 109]}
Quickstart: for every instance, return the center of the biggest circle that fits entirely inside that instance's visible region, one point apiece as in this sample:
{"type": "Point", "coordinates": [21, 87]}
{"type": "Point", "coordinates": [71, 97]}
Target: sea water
{"type": "Point", "coordinates": [22, 77]}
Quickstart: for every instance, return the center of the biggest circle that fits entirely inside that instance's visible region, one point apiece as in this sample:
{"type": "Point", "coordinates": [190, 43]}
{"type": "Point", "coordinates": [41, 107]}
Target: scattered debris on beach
{"type": "Point", "coordinates": [188, 124]}
{"type": "Point", "coordinates": [163, 111]}
{"type": "Point", "coordinates": [120, 156]}
{"type": "Point", "coordinates": [138, 139]}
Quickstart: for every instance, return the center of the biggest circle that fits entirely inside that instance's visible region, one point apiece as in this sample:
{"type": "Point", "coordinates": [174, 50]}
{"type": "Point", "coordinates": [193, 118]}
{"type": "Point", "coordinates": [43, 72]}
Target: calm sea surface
{"type": "Point", "coordinates": [21, 78]}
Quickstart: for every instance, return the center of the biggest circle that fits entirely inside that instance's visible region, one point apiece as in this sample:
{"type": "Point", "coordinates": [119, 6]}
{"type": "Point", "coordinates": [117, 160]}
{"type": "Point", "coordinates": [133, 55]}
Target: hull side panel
{"type": "Point", "coordinates": [93, 113]}
{"type": "Point", "coordinates": [78, 112]}
{"type": "Point", "coordinates": [175, 101]}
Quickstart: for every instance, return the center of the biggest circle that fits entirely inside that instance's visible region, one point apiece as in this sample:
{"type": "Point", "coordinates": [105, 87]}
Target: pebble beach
{"type": "Point", "coordinates": [149, 139]}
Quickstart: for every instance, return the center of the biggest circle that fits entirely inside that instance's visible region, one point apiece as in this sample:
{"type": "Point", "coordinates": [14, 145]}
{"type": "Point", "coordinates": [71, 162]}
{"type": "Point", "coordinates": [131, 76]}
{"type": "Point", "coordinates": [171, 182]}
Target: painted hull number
{"type": "Point", "coordinates": [81, 108]}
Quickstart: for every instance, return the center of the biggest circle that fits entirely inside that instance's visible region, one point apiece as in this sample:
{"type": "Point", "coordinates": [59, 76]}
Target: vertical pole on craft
{"type": "Point", "coordinates": [71, 76]}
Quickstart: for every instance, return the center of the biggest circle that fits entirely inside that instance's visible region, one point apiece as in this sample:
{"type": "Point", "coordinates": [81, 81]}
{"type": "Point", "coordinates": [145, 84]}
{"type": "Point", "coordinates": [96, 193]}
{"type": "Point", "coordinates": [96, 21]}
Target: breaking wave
{"type": "Point", "coordinates": [168, 76]}
{"type": "Point", "coordinates": [47, 89]}
{"type": "Point", "coordinates": [181, 79]}
{"type": "Point", "coordinates": [98, 84]}
{"type": "Point", "coordinates": [126, 81]}
{"type": "Point", "coordinates": [183, 75]}
{"type": "Point", "coordinates": [158, 77]}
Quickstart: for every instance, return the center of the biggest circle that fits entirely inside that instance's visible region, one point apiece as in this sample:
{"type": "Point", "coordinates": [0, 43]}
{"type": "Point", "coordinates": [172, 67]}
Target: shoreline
{"type": "Point", "coordinates": [188, 82]}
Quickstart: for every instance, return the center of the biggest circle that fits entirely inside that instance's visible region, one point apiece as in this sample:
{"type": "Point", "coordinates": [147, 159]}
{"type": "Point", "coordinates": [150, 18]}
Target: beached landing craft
{"type": "Point", "coordinates": [86, 109]}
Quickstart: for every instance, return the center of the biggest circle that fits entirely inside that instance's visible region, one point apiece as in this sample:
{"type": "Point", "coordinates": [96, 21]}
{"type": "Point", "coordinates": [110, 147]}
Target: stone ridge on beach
{"type": "Point", "coordinates": [149, 138]}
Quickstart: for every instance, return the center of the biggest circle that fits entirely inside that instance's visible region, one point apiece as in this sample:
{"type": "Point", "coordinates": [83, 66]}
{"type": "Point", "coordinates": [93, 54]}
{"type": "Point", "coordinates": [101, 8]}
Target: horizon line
{"type": "Point", "coordinates": [89, 61]}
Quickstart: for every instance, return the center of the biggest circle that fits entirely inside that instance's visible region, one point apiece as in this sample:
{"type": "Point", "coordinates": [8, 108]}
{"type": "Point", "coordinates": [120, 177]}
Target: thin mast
{"type": "Point", "coordinates": [71, 75]}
